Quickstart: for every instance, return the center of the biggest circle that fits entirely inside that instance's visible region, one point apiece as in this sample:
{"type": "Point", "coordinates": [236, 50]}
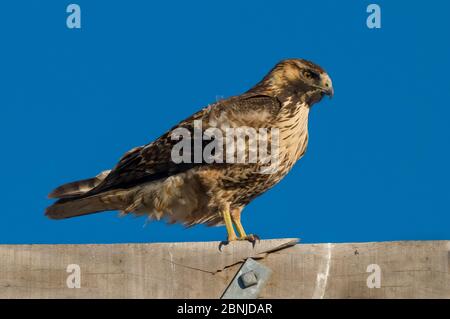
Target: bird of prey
{"type": "Point", "coordinates": [147, 181]}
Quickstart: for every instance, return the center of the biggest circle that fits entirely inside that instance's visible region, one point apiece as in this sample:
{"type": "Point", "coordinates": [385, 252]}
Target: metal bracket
{"type": "Point", "coordinates": [248, 282]}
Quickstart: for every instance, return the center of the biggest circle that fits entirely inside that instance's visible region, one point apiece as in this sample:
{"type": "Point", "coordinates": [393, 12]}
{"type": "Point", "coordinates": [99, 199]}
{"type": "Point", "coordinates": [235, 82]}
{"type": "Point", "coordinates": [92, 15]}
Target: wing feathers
{"type": "Point", "coordinates": [153, 161]}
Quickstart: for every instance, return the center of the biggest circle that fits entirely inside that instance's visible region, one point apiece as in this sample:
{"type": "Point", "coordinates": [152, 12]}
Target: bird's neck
{"type": "Point", "coordinates": [292, 122]}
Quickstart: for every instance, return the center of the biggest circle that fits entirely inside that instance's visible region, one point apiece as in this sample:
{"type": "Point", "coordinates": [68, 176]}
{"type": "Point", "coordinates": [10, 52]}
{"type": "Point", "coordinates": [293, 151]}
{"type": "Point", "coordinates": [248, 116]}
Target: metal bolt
{"type": "Point", "coordinates": [249, 279]}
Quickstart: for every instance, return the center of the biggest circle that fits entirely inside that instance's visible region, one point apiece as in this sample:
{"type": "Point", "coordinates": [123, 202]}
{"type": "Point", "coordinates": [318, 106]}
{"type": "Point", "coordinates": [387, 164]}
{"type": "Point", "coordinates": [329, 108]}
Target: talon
{"type": "Point", "coordinates": [223, 243]}
{"type": "Point", "coordinates": [251, 238]}
{"type": "Point", "coordinates": [226, 242]}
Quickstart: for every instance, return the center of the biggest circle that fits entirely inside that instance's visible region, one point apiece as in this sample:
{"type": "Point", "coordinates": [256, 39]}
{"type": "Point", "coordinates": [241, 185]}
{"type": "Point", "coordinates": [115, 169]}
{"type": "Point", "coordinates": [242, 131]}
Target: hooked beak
{"type": "Point", "coordinates": [329, 92]}
{"type": "Point", "coordinates": [327, 86]}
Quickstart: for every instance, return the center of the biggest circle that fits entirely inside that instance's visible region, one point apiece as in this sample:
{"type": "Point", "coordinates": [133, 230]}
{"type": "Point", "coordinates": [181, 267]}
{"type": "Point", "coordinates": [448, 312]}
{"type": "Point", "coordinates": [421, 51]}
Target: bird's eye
{"type": "Point", "coordinates": [307, 74]}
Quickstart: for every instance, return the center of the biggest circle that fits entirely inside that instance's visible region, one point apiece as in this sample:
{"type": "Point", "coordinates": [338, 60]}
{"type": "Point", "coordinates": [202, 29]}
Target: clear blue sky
{"type": "Point", "coordinates": [73, 101]}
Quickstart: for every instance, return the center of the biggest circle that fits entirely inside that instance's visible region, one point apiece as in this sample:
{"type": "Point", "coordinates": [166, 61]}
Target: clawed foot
{"type": "Point", "coordinates": [252, 238]}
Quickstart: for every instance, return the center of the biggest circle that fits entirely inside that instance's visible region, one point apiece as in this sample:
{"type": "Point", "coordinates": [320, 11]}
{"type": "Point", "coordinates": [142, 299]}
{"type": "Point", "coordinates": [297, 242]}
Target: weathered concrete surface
{"type": "Point", "coordinates": [199, 270]}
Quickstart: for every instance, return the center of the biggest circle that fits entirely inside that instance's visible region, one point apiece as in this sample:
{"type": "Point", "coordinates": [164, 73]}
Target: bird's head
{"type": "Point", "coordinates": [297, 77]}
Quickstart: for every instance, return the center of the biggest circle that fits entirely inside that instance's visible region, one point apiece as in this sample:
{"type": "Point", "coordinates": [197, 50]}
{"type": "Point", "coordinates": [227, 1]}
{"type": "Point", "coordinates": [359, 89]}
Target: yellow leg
{"type": "Point", "coordinates": [239, 228]}
{"type": "Point", "coordinates": [242, 235]}
{"type": "Point", "coordinates": [229, 225]}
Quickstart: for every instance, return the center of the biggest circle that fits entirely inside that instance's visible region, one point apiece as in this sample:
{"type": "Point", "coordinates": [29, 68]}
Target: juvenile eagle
{"type": "Point", "coordinates": [147, 181]}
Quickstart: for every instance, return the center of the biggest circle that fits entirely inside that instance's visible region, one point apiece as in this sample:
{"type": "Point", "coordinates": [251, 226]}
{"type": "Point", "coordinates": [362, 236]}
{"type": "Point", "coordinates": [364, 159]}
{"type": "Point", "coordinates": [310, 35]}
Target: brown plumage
{"type": "Point", "coordinates": [147, 181]}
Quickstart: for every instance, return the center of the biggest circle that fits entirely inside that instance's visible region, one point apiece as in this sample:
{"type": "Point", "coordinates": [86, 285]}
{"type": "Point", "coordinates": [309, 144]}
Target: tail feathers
{"type": "Point", "coordinates": [79, 187]}
{"type": "Point", "coordinates": [72, 207]}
